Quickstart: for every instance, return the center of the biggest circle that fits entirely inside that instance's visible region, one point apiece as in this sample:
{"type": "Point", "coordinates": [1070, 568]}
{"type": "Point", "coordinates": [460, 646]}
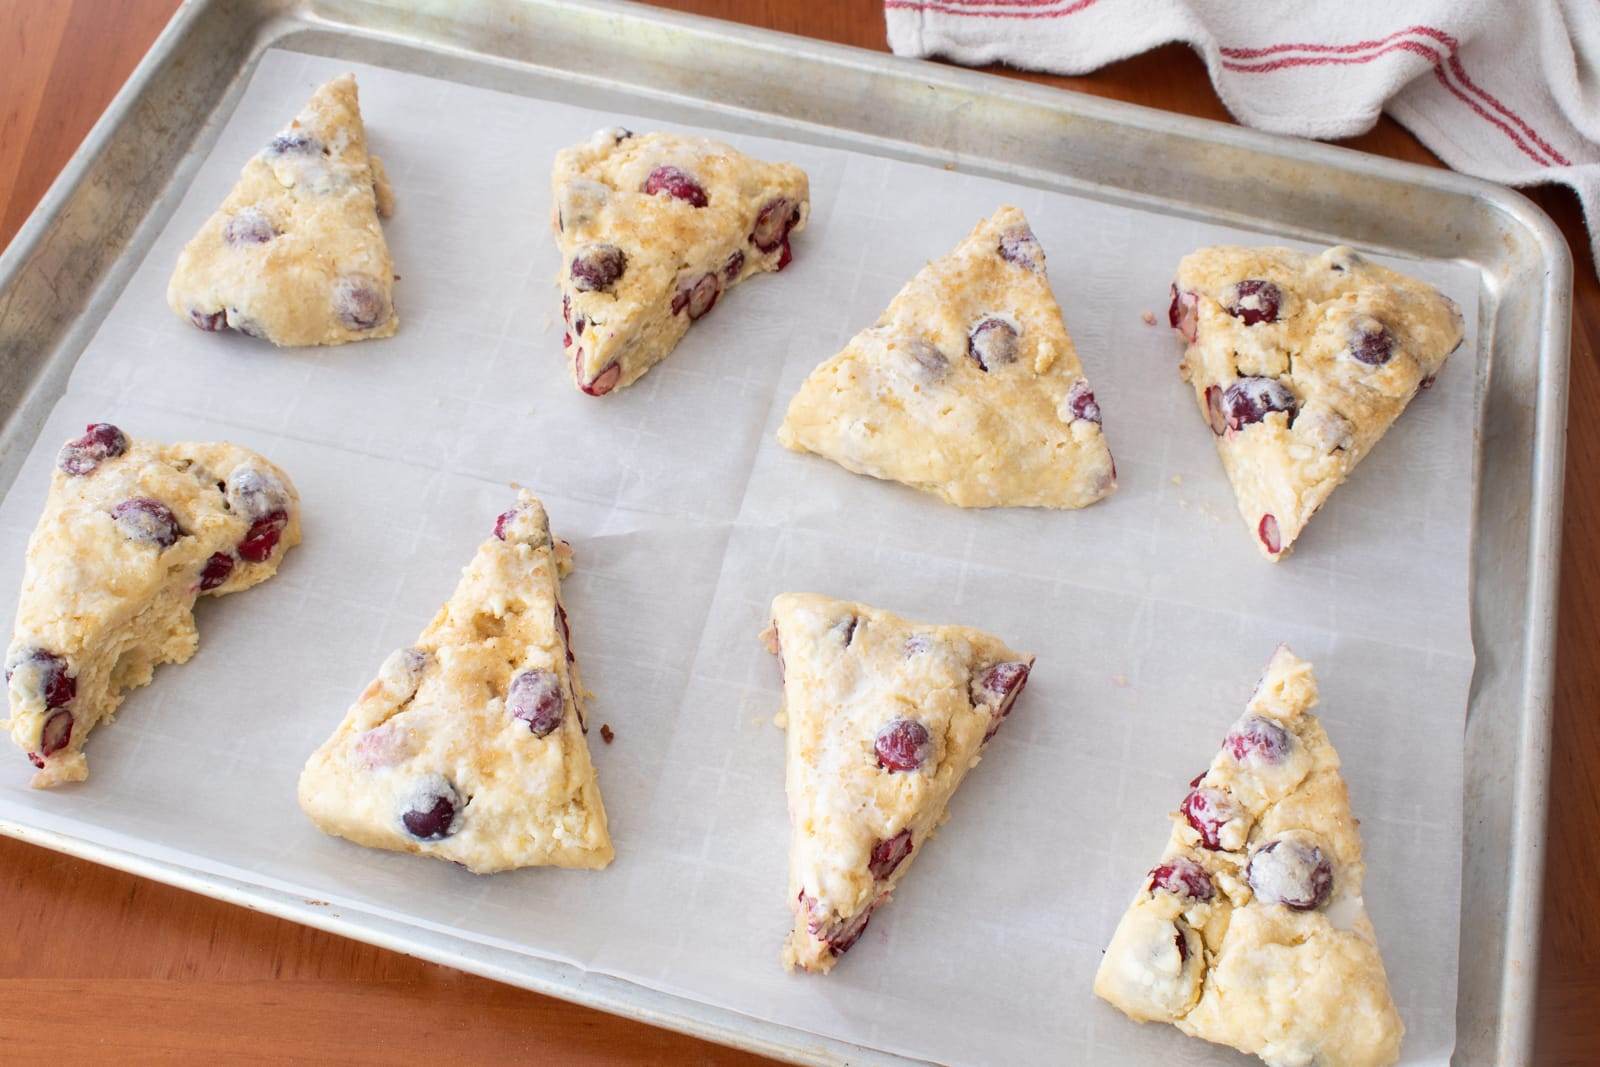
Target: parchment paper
{"type": "Point", "coordinates": [1150, 613]}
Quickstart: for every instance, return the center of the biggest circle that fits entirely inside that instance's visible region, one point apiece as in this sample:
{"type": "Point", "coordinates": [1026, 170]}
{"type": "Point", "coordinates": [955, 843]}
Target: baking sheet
{"type": "Point", "coordinates": [1150, 613]}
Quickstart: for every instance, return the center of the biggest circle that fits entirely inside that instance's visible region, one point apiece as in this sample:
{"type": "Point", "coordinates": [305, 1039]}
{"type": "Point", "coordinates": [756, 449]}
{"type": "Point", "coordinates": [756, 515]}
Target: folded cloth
{"type": "Point", "coordinates": [1507, 90]}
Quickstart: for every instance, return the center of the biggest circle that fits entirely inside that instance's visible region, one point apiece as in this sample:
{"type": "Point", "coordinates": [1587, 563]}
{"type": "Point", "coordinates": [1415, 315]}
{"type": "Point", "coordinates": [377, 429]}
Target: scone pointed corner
{"type": "Point", "coordinates": [296, 255]}
{"type": "Point", "coordinates": [1259, 893]}
{"type": "Point", "coordinates": [133, 532]}
{"type": "Point", "coordinates": [469, 745]}
{"type": "Point", "coordinates": [968, 386]}
{"type": "Point", "coordinates": [1300, 364]}
{"type": "Point", "coordinates": [868, 781]}
{"type": "Point", "coordinates": [653, 230]}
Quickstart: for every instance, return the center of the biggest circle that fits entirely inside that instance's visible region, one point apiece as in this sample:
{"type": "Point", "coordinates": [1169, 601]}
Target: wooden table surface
{"type": "Point", "coordinates": [96, 964]}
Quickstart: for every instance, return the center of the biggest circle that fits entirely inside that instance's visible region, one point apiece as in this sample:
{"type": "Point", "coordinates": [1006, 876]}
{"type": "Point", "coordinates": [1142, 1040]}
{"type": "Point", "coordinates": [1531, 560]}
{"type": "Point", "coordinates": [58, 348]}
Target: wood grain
{"type": "Point", "coordinates": [154, 974]}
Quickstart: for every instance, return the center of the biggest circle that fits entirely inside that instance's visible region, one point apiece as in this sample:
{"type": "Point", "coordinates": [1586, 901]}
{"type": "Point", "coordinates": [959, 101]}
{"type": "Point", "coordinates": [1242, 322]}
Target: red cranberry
{"type": "Point", "coordinates": [998, 687]}
{"type": "Point", "coordinates": [1427, 383]}
{"type": "Point", "coordinates": [773, 223]}
{"type": "Point", "coordinates": [52, 684]}
{"type": "Point", "coordinates": [254, 494]}
{"type": "Point", "coordinates": [676, 184]}
{"type": "Point", "coordinates": [1184, 314]}
{"type": "Point", "coordinates": [145, 520]}
{"type": "Point", "coordinates": [1181, 941]}
{"type": "Point", "coordinates": [734, 267]}
{"type": "Point", "coordinates": [535, 698]}
{"type": "Point", "coordinates": [209, 321]}
{"type": "Point", "coordinates": [431, 812]}
{"type": "Point", "coordinates": [1371, 343]}
{"type": "Point", "coordinates": [566, 634]}
{"type": "Point", "coordinates": [1249, 400]}
{"type": "Point", "coordinates": [1253, 301]}
{"type": "Point", "coordinates": [101, 441]}
{"type": "Point", "coordinates": [839, 941]}
{"type": "Point", "coordinates": [1267, 530]}
{"type": "Point", "coordinates": [699, 296]}
{"type": "Point", "coordinates": [597, 267]}
{"type": "Point", "coordinates": [1214, 412]}
{"type": "Point", "coordinates": [926, 363]}
{"type": "Point", "coordinates": [1081, 402]}
{"type": "Point", "coordinates": [992, 342]}
{"type": "Point", "coordinates": [1018, 245]}
{"type": "Point", "coordinates": [1184, 877]}
{"type": "Point", "coordinates": [216, 570]}
{"type": "Point", "coordinates": [359, 302]}
{"type": "Point", "coordinates": [888, 854]}
{"type": "Point", "coordinates": [57, 733]}
{"type": "Point", "coordinates": [566, 308]}
{"type": "Point", "coordinates": [603, 382]}
{"type": "Point", "coordinates": [1260, 738]}
{"type": "Point", "coordinates": [295, 142]}
{"type": "Point", "coordinates": [503, 521]}
{"type": "Point", "coordinates": [248, 227]}
{"type": "Point", "coordinates": [1208, 810]}
{"type": "Point", "coordinates": [902, 745]}
{"type": "Point", "coordinates": [263, 536]}
{"type": "Point", "coordinates": [36, 759]}
{"type": "Point", "coordinates": [1290, 873]}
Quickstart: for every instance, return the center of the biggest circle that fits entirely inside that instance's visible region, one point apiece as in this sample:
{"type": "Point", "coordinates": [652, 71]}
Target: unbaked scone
{"type": "Point", "coordinates": [1251, 931]}
{"type": "Point", "coordinates": [884, 718]}
{"type": "Point", "coordinates": [967, 386]}
{"type": "Point", "coordinates": [295, 254]}
{"type": "Point", "coordinates": [469, 745]}
{"type": "Point", "coordinates": [1300, 363]}
{"type": "Point", "coordinates": [653, 229]}
{"type": "Point", "coordinates": [133, 532]}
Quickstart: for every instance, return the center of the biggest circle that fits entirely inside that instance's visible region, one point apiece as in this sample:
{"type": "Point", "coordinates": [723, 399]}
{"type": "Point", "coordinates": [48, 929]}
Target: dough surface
{"type": "Point", "coordinates": [653, 229]}
{"type": "Point", "coordinates": [1300, 363]}
{"type": "Point", "coordinates": [295, 254]}
{"type": "Point", "coordinates": [132, 533]}
{"type": "Point", "coordinates": [862, 686]}
{"type": "Point", "coordinates": [967, 386]}
{"type": "Point", "coordinates": [1251, 932]}
{"type": "Point", "coordinates": [469, 745]}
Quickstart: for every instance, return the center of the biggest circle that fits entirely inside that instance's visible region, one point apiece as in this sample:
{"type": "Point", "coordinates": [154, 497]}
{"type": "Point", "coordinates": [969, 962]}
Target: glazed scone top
{"type": "Point", "coordinates": [295, 255]}
{"type": "Point", "coordinates": [884, 717]}
{"type": "Point", "coordinates": [652, 229]}
{"type": "Point", "coordinates": [1252, 931]}
{"type": "Point", "coordinates": [469, 745]}
{"type": "Point", "coordinates": [132, 532]}
{"type": "Point", "coordinates": [968, 385]}
{"type": "Point", "coordinates": [1300, 363]}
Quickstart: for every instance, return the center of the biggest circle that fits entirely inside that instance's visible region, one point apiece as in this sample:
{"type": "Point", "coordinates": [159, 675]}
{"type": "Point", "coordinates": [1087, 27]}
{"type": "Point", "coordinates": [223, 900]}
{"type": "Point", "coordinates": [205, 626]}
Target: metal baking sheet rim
{"type": "Point", "coordinates": [1510, 1031]}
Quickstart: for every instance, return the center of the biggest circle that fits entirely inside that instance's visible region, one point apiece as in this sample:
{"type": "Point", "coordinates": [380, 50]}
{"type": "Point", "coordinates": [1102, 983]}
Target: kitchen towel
{"type": "Point", "coordinates": [1507, 90]}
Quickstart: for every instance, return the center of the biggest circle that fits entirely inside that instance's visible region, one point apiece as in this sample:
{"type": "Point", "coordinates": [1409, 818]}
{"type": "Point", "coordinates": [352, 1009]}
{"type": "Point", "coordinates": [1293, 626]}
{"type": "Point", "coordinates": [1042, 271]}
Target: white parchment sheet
{"type": "Point", "coordinates": [1150, 613]}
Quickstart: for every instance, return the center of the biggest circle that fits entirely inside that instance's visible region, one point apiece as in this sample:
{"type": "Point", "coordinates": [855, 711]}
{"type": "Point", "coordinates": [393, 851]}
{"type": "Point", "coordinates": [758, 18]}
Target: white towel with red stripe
{"type": "Point", "coordinates": [1507, 90]}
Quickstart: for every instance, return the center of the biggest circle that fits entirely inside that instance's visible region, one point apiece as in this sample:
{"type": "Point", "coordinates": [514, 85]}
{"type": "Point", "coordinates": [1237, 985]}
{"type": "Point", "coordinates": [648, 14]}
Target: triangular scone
{"type": "Point", "coordinates": [295, 254]}
{"type": "Point", "coordinates": [885, 717]}
{"type": "Point", "coordinates": [1300, 363]}
{"type": "Point", "coordinates": [652, 230]}
{"type": "Point", "coordinates": [469, 745]}
{"type": "Point", "coordinates": [1251, 931]}
{"type": "Point", "coordinates": [132, 533]}
{"type": "Point", "coordinates": [968, 386]}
